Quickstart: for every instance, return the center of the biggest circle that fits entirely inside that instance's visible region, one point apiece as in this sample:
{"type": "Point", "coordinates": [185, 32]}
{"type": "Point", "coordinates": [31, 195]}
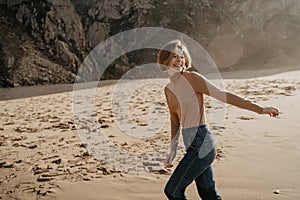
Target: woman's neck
{"type": "Point", "coordinates": [174, 76]}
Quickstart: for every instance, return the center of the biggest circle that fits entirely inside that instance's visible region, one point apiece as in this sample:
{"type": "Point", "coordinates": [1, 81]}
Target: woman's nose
{"type": "Point", "coordinates": [178, 58]}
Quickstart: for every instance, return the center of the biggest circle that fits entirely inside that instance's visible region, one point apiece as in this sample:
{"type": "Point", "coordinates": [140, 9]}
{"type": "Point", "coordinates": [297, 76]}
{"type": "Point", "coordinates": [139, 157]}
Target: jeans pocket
{"type": "Point", "coordinates": [197, 142]}
{"type": "Point", "coordinates": [207, 148]}
{"type": "Point", "coordinates": [203, 144]}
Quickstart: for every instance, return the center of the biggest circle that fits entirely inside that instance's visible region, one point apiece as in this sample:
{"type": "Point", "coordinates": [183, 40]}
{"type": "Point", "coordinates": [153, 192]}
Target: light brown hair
{"type": "Point", "coordinates": [165, 54]}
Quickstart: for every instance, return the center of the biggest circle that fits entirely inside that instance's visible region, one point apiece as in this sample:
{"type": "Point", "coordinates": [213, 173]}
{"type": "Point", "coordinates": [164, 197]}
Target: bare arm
{"type": "Point", "coordinates": [175, 122]}
{"type": "Point", "coordinates": [204, 86]}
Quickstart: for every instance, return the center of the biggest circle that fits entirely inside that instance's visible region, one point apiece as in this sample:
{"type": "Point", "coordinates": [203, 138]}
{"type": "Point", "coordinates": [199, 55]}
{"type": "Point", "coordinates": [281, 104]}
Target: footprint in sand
{"type": "Point", "coordinates": [245, 118]}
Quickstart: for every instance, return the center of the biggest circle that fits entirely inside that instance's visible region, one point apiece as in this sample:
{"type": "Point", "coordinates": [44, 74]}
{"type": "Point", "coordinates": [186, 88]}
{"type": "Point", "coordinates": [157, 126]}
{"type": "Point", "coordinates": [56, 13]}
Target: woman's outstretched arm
{"type": "Point", "coordinates": [202, 85]}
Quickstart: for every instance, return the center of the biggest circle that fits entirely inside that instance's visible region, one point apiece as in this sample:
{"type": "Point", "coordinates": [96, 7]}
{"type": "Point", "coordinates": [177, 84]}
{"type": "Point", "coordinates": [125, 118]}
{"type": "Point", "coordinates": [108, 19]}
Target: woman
{"type": "Point", "coordinates": [184, 96]}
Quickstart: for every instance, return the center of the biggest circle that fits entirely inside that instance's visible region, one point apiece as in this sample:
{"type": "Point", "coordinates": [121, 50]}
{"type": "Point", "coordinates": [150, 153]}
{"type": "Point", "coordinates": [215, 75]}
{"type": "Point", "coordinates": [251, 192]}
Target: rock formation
{"type": "Point", "coordinates": [46, 41]}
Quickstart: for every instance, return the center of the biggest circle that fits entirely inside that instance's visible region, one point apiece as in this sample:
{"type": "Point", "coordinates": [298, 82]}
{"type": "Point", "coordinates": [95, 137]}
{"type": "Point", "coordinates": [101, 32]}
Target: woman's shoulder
{"type": "Point", "coordinates": [192, 74]}
{"type": "Point", "coordinates": [167, 87]}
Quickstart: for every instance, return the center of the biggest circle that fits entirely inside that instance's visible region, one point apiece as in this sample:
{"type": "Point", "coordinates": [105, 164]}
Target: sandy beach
{"type": "Point", "coordinates": [45, 154]}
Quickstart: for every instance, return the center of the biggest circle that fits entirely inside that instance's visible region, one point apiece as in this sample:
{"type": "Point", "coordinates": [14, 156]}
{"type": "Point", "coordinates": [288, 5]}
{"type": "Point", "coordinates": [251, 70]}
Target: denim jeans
{"type": "Point", "coordinates": [195, 166]}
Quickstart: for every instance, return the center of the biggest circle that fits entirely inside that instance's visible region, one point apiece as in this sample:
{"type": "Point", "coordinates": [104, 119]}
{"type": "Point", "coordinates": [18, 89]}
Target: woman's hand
{"type": "Point", "coordinates": [170, 157]}
{"type": "Point", "coordinates": [273, 112]}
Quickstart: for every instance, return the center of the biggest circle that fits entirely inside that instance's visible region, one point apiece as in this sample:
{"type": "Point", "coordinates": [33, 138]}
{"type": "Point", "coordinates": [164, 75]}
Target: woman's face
{"type": "Point", "coordinates": [177, 61]}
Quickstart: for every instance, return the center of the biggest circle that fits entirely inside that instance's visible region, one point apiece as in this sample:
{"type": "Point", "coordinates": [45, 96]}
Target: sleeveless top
{"type": "Point", "coordinates": [188, 103]}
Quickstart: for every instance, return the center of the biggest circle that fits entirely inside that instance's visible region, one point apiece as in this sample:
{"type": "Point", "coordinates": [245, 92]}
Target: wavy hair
{"type": "Point", "coordinates": [165, 54]}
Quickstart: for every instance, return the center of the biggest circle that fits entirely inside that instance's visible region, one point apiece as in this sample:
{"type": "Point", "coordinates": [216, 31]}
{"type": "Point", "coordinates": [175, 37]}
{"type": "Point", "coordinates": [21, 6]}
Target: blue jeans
{"type": "Point", "coordinates": [195, 166]}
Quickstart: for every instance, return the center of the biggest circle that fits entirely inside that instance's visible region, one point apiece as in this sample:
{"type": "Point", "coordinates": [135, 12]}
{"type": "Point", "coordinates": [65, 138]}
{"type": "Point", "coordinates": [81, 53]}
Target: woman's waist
{"type": "Point", "coordinates": [194, 129]}
{"type": "Point", "coordinates": [192, 121]}
{"type": "Point", "coordinates": [198, 135]}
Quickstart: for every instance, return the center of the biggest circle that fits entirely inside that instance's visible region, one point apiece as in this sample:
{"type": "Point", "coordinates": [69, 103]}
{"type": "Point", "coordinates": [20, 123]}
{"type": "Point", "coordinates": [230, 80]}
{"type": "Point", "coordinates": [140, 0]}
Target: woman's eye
{"type": "Point", "coordinates": [175, 56]}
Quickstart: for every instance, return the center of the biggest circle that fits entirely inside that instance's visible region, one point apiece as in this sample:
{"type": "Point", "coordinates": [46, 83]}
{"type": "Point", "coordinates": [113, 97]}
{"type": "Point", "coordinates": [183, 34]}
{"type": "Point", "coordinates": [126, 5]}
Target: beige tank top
{"type": "Point", "coordinates": [187, 103]}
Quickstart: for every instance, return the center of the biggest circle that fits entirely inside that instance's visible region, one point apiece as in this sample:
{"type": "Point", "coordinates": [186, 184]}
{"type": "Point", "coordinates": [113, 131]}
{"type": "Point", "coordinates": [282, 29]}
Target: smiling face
{"type": "Point", "coordinates": [177, 60]}
{"type": "Point", "coordinates": [174, 57]}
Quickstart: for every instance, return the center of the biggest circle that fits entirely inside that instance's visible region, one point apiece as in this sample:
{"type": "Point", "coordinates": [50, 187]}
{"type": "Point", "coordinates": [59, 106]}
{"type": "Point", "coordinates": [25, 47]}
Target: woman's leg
{"type": "Point", "coordinates": [206, 185]}
{"type": "Point", "coordinates": [189, 168]}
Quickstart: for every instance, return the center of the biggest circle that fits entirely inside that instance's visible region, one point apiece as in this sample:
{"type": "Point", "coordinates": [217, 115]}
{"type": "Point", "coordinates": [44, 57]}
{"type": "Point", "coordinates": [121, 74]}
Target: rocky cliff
{"type": "Point", "coordinates": [41, 42]}
{"type": "Point", "coordinates": [46, 41]}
